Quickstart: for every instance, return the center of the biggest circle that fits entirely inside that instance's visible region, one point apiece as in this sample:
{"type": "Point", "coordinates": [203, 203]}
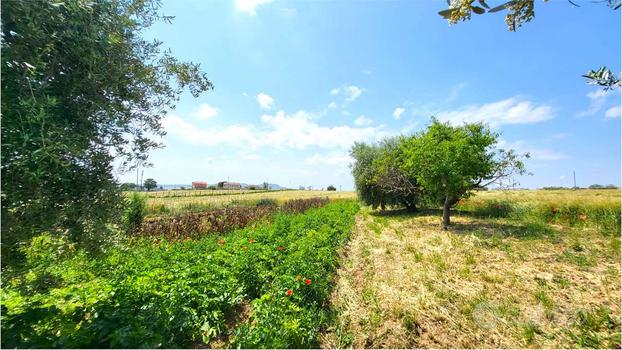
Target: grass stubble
{"type": "Point", "coordinates": [485, 283]}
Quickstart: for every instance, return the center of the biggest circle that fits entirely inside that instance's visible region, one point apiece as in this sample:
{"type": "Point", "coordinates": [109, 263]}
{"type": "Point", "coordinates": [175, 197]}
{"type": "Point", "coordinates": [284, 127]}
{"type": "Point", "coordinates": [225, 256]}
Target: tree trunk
{"type": "Point", "coordinates": [446, 207]}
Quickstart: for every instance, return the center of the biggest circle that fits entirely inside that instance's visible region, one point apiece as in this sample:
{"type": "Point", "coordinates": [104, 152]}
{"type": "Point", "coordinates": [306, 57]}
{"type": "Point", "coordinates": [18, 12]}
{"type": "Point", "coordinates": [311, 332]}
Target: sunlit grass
{"type": "Point", "coordinates": [507, 279]}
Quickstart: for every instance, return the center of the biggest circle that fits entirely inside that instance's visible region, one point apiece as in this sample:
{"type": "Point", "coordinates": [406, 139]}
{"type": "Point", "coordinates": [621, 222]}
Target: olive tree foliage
{"type": "Point", "coordinates": [450, 162]}
{"type": "Point", "coordinates": [378, 178]}
{"type": "Point", "coordinates": [81, 86]}
{"type": "Point", "coordinates": [518, 13]}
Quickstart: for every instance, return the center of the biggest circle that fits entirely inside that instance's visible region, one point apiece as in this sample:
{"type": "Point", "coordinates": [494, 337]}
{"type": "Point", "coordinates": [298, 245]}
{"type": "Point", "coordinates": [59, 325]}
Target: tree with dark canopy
{"type": "Point", "coordinates": [80, 87]}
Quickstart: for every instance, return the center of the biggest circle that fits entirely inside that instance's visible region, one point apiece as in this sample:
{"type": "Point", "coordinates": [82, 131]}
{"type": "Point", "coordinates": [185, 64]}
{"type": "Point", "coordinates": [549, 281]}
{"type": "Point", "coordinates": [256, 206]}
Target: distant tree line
{"type": "Point", "coordinates": [432, 168]}
{"type": "Point", "coordinates": [591, 187]}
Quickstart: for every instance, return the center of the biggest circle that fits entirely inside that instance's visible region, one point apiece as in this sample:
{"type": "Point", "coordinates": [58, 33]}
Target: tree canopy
{"type": "Point", "coordinates": [81, 86]}
{"type": "Point", "coordinates": [150, 184]}
{"type": "Point", "coordinates": [437, 166]}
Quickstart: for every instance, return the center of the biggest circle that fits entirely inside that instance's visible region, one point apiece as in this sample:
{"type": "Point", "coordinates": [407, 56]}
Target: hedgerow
{"type": "Point", "coordinates": [178, 293]}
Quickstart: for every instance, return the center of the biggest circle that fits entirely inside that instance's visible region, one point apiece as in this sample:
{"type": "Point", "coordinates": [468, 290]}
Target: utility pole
{"type": "Point", "coordinates": [574, 177]}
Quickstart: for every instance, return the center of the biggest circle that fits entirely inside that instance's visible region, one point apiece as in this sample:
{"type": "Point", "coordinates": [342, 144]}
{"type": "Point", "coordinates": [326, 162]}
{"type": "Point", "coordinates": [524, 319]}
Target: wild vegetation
{"type": "Point", "coordinates": [164, 205]}
{"type": "Point", "coordinates": [275, 277]}
{"type": "Point", "coordinates": [516, 269]}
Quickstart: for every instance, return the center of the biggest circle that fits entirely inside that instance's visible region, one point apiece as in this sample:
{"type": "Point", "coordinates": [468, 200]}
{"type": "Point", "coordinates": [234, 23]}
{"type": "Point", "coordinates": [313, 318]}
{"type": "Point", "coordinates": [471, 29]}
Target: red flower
{"type": "Point", "coordinates": [308, 281]}
{"type": "Point", "coordinates": [280, 248]}
{"type": "Point", "coordinates": [289, 292]}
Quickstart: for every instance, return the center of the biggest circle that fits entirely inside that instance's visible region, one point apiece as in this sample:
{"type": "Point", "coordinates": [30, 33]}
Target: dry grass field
{"type": "Point", "coordinates": [488, 282]}
{"type": "Point", "coordinates": [157, 202]}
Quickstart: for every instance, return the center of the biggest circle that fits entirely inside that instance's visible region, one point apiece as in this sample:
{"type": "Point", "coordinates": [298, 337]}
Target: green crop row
{"type": "Point", "coordinates": [180, 294]}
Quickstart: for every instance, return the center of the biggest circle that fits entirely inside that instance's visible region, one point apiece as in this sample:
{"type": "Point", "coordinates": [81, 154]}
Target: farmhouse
{"type": "Point", "coordinates": [231, 185]}
{"type": "Point", "coordinates": [199, 184]}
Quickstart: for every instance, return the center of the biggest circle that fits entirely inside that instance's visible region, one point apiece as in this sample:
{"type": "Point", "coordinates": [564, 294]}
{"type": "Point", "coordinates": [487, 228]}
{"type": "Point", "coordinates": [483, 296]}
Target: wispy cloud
{"type": "Point", "coordinates": [397, 113]}
{"type": "Point", "coordinates": [265, 101]}
{"type": "Point", "coordinates": [613, 112]}
{"type": "Point", "coordinates": [329, 159]}
{"type": "Point", "coordinates": [349, 92]}
{"type": "Point", "coordinates": [455, 92]}
{"type": "Point", "coordinates": [205, 111]}
{"type": "Point", "coordinates": [598, 99]}
{"type": "Point", "coordinates": [514, 110]}
{"type": "Point", "coordinates": [362, 121]}
{"type": "Point", "coordinates": [249, 6]}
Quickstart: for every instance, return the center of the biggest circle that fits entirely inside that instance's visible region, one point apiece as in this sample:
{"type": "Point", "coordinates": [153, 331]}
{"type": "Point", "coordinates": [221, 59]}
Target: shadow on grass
{"type": "Point", "coordinates": [481, 227]}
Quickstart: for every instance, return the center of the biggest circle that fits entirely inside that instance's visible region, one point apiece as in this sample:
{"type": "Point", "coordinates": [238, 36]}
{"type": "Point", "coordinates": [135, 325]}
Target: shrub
{"type": "Point", "coordinates": [134, 212]}
{"type": "Point", "coordinates": [331, 188]}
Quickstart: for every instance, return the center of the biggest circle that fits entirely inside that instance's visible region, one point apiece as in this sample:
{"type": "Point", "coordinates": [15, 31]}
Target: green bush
{"type": "Point", "coordinates": [134, 212]}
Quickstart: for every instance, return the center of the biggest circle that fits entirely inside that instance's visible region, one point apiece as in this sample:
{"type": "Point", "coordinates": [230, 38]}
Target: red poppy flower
{"type": "Point", "coordinates": [308, 281]}
{"type": "Point", "coordinates": [289, 292]}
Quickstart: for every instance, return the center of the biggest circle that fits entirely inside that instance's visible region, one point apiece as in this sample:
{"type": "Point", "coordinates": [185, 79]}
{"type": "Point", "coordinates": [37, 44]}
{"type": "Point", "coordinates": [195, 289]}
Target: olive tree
{"type": "Point", "coordinates": [449, 162]}
{"type": "Point", "coordinates": [81, 86]}
{"type": "Point", "coordinates": [378, 177]}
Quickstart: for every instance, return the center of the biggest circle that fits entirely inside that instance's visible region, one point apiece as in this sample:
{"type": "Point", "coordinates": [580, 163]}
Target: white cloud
{"type": "Point", "coordinates": [265, 101]}
{"type": "Point", "coordinates": [205, 111]}
{"type": "Point", "coordinates": [597, 98]}
{"type": "Point", "coordinates": [514, 110]}
{"type": "Point", "coordinates": [298, 130]}
{"type": "Point", "coordinates": [562, 177]}
{"type": "Point", "coordinates": [353, 92]}
{"type": "Point", "coordinates": [332, 105]}
{"type": "Point", "coordinates": [397, 113]}
{"type": "Point", "coordinates": [350, 92]}
{"type": "Point", "coordinates": [362, 121]}
{"type": "Point", "coordinates": [613, 112]}
{"type": "Point", "coordinates": [329, 159]}
{"type": "Point", "coordinates": [249, 6]}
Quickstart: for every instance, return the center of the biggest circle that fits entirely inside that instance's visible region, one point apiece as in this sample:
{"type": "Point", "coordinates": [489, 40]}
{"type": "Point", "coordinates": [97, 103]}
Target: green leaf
{"type": "Point", "coordinates": [502, 6]}
{"type": "Point", "coordinates": [447, 13]}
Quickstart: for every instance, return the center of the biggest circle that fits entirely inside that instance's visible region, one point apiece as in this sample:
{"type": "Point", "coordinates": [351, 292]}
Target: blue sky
{"type": "Point", "coordinates": [297, 82]}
